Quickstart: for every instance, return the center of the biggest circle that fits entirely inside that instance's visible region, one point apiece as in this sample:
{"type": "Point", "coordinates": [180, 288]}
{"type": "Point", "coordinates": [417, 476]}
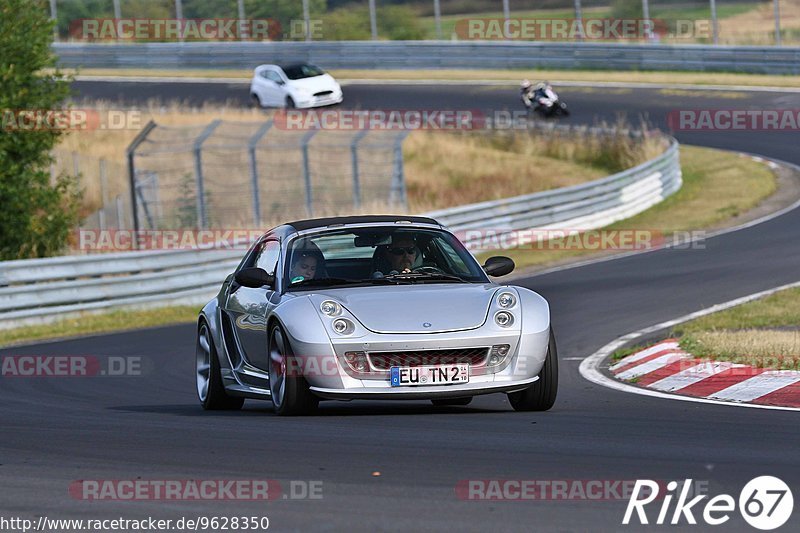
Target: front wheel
{"type": "Point", "coordinates": [542, 394]}
{"type": "Point", "coordinates": [289, 390]}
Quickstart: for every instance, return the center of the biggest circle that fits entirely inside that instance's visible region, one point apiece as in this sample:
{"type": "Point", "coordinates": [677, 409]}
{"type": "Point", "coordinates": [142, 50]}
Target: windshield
{"type": "Point", "coordinates": [298, 72]}
{"type": "Point", "coordinates": [374, 256]}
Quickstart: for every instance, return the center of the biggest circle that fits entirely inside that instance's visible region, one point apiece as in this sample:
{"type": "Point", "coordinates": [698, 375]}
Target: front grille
{"type": "Point", "coordinates": [323, 93]}
{"type": "Point", "coordinates": [471, 356]}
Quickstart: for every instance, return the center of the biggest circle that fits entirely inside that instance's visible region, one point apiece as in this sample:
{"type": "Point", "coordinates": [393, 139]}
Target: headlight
{"type": "Point", "coordinates": [330, 308]}
{"type": "Point", "coordinates": [342, 326]}
{"type": "Point", "coordinates": [498, 354]}
{"type": "Point", "coordinates": [504, 319]}
{"type": "Point", "coordinates": [506, 300]}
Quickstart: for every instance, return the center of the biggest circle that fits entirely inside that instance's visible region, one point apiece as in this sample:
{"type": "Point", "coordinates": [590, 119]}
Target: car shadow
{"type": "Point", "coordinates": [326, 409]}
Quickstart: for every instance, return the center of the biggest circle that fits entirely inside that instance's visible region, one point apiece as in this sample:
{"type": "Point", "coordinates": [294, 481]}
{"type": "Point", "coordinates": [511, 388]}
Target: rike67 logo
{"type": "Point", "coordinates": [765, 503]}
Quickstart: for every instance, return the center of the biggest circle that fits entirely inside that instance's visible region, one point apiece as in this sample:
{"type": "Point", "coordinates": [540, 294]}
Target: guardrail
{"type": "Point", "coordinates": [434, 55]}
{"type": "Point", "coordinates": [586, 206]}
{"type": "Point", "coordinates": [41, 290]}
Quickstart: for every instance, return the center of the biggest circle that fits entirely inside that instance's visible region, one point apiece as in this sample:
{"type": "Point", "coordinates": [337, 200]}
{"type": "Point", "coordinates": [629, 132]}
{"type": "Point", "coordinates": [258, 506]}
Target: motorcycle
{"type": "Point", "coordinates": [546, 102]}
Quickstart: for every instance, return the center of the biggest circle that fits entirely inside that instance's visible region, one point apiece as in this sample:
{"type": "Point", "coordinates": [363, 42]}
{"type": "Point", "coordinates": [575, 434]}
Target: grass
{"type": "Point", "coordinates": [509, 75]}
{"type": "Point", "coordinates": [89, 324]}
{"type": "Point", "coordinates": [717, 186]}
{"type": "Point", "coordinates": [763, 333]}
{"type": "Point", "coordinates": [445, 169]}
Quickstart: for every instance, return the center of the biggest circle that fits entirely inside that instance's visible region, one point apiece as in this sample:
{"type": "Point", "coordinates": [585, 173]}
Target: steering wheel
{"type": "Point", "coordinates": [427, 269]}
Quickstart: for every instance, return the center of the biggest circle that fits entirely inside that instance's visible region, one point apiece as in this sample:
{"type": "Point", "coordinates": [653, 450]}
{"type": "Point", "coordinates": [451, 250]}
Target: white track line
{"type": "Point", "coordinates": [590, 367]}
{"type": "Point", "coordinates": [757, 386]}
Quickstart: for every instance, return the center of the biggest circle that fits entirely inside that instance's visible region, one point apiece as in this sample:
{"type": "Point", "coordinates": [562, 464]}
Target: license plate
{"type": "Point", "coordinates": [429, 375]}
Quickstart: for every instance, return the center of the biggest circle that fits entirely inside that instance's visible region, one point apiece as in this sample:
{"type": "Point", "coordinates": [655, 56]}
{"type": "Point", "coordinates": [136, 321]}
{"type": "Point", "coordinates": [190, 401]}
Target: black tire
{"type": "Point", "coordinates": [452, 401]}
{"type": "Point", "coordinates": [213, 397]}
{"type": "Point", "coordinates": [255, 100]}
{"type": "Point", "coordinates": [290, 103]}
{"type": "Point", "coordinates": [542, 394]}
{"type": "Point", "coordinates": [295, 398]}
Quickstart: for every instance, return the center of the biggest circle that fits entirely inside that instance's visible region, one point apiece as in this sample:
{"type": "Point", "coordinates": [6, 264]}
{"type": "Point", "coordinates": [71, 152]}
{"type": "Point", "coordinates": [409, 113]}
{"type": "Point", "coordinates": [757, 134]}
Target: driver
{"type": "Point", "coordinates": [402, 255]}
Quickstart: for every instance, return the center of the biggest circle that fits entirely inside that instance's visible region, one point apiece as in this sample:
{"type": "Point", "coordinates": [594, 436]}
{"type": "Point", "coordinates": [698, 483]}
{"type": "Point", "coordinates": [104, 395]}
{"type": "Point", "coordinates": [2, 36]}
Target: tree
{"type": "Point", "coordinates": [36, 217]}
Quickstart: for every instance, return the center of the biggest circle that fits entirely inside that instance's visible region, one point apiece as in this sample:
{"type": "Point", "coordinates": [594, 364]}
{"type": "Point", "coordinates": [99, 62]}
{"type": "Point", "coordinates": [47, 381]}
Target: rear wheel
{"type": "Point", "coordinates": [290, 393]}
{"type": "Point", "coordinates": [210, 389]}
{"type": "Point", "coordinates": [452, 401]}
{"type": "Point", "coordinates": [542, 394]}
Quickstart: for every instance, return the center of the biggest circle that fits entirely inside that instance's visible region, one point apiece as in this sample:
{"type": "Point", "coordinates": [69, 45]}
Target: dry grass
{"type": "Point", "coordinates": [110, 145]}
{"type": "Point", "coordinates": [762, 333]}
{"type": "Point", "coordinates": [502, 75]}
{"type": "Point", "coordinates": [92, 324]}
{"type": "Point", "coordinates": [443, 168]}
{"type": "Point", "coordinates": [758, 25]}
{"type": "Point", "coordinates": [764, 348]}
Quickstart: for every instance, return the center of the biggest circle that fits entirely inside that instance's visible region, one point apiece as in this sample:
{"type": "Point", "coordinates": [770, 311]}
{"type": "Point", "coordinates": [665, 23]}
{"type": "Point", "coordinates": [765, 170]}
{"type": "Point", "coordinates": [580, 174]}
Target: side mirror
{"type": "Point", "coordinates": [254, 277]}
{"type": "Point", "coordinates": [498, 266]}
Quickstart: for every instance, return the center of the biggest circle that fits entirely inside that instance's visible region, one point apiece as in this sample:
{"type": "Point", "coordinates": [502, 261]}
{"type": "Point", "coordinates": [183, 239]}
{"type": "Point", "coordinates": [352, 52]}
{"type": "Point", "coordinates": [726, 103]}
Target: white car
{"type": "Point", "coordinates": [298, 85]}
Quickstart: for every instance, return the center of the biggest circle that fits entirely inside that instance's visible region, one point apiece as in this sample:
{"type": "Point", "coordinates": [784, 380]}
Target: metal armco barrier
{"type": "Point", "coordinates": [41, 290]}
{"type": "Point", "coordinates": [435, 54]}
{"type": "Point", "coordinates": [586, 206]}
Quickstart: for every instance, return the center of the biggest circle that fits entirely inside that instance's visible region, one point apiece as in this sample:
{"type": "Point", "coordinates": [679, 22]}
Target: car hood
{"type": "Point", "coordinates": [315, 84]}
{"type": "Point", "coordinates": [408, 308]}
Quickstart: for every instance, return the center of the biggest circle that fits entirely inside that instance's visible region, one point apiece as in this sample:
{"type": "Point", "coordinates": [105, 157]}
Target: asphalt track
{"type": "Point", "coordinates": [56, 431]}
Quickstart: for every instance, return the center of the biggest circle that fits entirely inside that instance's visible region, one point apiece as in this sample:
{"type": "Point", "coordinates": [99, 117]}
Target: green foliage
{"type": "Point", "coordinates": [626, 9]}
{"type": "Point", "coordinates": [352, 23]}
{"type": "Point", "coordinates": [35, 217]}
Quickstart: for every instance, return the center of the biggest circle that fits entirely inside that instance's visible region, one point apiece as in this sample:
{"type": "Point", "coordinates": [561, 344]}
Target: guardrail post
{"type": "Point", "coordinates": [202, 219]}
{"type": "Point", "coordinates": [356, 178]}
{"type": "Point", "coordinates": [119, 213]}
{"type": "Point", "coordinates": [102, 212]}
{"type": "Point", "coordinates": [307, 171]}
{"type": "Point", "coordinates": [251, 148]}
{"type": "Point", "coordinates": [398, 187]}
{"type": "Point", "coordinates": [131, 154]}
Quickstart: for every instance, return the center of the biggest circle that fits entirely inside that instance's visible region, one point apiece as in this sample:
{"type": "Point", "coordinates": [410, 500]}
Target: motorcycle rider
{"type": "Point", "coordinates": [536, 94]}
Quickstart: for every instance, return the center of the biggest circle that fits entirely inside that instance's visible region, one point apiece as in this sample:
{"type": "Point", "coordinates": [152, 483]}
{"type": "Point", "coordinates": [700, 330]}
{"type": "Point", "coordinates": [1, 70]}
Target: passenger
{"type": "Point", "coordinates": [304, 267]}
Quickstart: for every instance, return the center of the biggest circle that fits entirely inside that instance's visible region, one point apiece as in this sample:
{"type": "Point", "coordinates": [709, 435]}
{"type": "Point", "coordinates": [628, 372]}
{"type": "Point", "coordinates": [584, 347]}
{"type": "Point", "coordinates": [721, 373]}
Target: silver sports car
{"type": "Point", "coordinates": [372, 307]}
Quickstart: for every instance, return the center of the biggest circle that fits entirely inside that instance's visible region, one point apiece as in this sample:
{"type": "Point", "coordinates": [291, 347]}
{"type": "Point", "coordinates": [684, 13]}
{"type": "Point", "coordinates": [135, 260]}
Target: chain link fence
{"type": "Point", "coordinates": [252, 174]}
{"type": "Point", "coordinates": [105, 207]}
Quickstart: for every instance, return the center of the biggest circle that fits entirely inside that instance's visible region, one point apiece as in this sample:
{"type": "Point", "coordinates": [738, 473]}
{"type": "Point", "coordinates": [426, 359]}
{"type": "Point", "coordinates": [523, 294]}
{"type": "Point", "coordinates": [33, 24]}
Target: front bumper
{"type": "Point", "coordinates": [473, 388]}
{"type": "Point", "coordinates": [313, 101]}
{"type": "Point", "coordinates": [526, 359]}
